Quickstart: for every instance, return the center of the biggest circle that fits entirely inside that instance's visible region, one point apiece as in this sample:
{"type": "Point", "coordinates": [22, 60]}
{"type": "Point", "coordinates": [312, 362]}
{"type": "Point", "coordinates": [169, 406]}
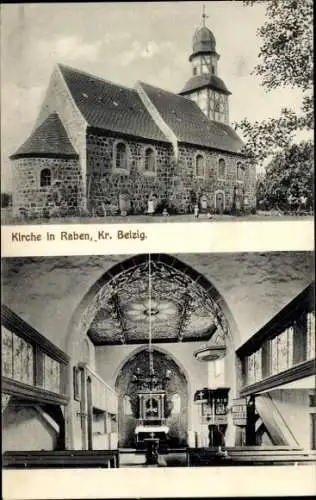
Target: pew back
{"type": "Point", "coordinates": [61, 459]}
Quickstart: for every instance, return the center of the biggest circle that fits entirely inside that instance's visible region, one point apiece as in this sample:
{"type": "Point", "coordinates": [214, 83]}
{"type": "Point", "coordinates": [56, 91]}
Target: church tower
{"type": "Point", "coordinates": [205, 87]}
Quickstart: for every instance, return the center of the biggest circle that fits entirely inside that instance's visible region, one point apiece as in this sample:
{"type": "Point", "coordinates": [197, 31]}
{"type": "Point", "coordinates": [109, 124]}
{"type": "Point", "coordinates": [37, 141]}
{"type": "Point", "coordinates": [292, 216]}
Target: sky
{"type": "Point", "coordinates": [126, 42]}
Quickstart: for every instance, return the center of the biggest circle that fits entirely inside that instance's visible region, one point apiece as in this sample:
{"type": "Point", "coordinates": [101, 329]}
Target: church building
{"type": "Point", "coordinates": [158, 360]}
{"type": "Point", "coordinates": [100, 148]}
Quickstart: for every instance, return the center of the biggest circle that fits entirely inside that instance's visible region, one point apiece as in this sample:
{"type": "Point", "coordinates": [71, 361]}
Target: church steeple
{"type": "Point", "coordinates": [205, 87]}
{"type": "Point", "coordinates": [204, 16]}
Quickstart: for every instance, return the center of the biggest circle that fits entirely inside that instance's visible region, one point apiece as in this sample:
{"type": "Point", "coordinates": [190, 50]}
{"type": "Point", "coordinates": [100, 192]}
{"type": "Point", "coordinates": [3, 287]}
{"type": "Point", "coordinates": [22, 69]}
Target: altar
{"type": "Point", "coordinates": [151, 422]}
{"type": "Point", "coordinates": [145, 433]}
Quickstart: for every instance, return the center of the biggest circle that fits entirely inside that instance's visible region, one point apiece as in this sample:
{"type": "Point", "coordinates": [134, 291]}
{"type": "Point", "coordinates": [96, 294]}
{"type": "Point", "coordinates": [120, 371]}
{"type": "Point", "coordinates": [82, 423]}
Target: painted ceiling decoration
{"type": "Point", "coordinates": [179, 307]}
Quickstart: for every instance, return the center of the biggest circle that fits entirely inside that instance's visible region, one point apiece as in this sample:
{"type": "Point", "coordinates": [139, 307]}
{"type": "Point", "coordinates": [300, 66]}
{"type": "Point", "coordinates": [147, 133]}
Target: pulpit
{"type": "Point", "coordinates": [213, 403]}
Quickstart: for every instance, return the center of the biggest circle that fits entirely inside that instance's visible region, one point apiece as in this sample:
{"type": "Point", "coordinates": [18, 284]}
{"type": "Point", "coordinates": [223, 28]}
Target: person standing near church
{"type": "Point", "coordinates": [196, 211]}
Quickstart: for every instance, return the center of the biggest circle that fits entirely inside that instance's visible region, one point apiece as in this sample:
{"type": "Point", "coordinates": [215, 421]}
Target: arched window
{"type": "Point", "coordinates": [240, 171]}
{"type": "Point", "coordinates": [120, 156]}
{"type": "Point", "coordinates": [199, 166]}
{"type": "Point", "coordinates": [46, 177]}
{"type": "Point", "coordinates": [150, 160]}
{"type": "Point", "coordinates": [221, 168]}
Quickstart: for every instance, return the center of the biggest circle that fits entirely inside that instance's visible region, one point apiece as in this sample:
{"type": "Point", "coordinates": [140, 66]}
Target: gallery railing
{"type": "Point", "coordinates": [33, 368]}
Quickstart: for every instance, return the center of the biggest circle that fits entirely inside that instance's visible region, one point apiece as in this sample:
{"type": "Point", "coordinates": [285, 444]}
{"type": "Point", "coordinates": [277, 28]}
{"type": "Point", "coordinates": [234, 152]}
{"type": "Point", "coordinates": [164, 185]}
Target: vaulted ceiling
{"type": "Point", "coordinates": [152, 297]}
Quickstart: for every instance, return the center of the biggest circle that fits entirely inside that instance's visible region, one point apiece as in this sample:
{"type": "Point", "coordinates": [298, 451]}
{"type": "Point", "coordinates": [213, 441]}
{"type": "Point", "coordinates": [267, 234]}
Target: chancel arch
{"type": "Point", "coordinates": [175, 400]}
{"type": "Point", "coordinates": [186, 311]}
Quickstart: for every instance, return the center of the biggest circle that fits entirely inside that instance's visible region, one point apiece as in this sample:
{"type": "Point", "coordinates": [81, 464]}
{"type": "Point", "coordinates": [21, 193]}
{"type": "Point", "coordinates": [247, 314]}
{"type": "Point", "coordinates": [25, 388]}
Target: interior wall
{"type": "Point", "coordinates": [26, 428]}
{"type": "Point", "coordinates": [176, 421]}
{"type": "Point", "coordinates": [110, 359]}
{"type": "Point", "coordinates": [293, 404]}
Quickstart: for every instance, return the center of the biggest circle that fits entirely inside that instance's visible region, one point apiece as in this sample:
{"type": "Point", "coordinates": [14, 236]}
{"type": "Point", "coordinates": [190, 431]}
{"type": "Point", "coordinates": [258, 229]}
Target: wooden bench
{"type": "Point", "coordinates": [249, 456]}
{"type": "Point", "coordinates": [60, 459]}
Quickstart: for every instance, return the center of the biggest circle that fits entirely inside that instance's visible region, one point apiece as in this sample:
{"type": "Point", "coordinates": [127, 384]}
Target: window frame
{"type": "Point", "coordinates": [240, 166]}
{"type": "Point", "coordinates": [122, 170]}
{"type": "Point", "coordinates": [45, 185]}
{"type": "Point", "coordinates": [149, 173]}
{"type": "Point", "coordinates": [197, 155]}
{"type": "Point", "coordinates": [218, 169]}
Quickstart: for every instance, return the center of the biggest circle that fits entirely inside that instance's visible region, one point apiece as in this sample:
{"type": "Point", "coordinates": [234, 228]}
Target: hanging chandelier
{"type": "Point", "coordinates": [150, 382]}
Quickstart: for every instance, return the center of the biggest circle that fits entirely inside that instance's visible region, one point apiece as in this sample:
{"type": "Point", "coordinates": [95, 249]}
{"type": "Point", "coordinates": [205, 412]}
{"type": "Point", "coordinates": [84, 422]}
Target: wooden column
{"type": "Point", "coordinates": [251, 421]}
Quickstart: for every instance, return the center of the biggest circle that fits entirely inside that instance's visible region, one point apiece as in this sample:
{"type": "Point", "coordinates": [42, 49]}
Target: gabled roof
{"type": "Point", "coordinates": [205, 80]}
{"type": "Point", "coordinates": [189, 123]}
{"type": "Point", "coordinates": [48, 139]}
{"type": "Point", "coordinates": [111, 107]}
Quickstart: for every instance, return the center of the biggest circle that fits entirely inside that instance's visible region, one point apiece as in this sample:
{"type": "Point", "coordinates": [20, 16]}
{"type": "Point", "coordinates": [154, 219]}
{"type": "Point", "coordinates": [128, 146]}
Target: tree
{"type": "Point", "coordinates": [286, 53]}
{"type": "Point", "coordinates": [265, 138]}
{"type": "Point", "coordinates": [288, 178]}
{"type": "Point", "coordinates": [285, 59]}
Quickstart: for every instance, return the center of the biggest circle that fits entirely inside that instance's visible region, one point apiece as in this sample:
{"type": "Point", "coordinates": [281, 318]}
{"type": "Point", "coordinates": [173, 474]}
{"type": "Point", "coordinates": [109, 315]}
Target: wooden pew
{"type": "Point", "coordinates": [60, 459]}
{"type": "Point", "coordinates": [250, 456]}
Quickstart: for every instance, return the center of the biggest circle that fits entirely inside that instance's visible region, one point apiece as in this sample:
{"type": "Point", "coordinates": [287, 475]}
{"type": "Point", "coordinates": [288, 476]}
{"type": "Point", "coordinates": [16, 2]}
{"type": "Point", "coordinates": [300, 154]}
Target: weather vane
{"type": "Point", "coordinates": [204, 16]}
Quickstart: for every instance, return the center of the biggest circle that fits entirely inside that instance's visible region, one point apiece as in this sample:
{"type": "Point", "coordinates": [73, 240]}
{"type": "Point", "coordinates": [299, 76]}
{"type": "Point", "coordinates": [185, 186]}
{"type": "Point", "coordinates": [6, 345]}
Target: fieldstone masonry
{"type": "Point", "coordinates": [108, 185]}
{"type": "Point", "coordinates": [174, 183]}
{"type": "Point", "coordinates": [110, 191]}
{"type": "Point", "coordinates": [62, 197]}
{"type": "Point", "coordinates": [92, 185]}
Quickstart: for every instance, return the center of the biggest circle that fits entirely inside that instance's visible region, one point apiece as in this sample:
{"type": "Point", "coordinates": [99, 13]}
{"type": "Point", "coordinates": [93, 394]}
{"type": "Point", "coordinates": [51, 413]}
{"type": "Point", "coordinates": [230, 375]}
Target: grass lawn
{"type": "Point", "coordinates": [140, 219]}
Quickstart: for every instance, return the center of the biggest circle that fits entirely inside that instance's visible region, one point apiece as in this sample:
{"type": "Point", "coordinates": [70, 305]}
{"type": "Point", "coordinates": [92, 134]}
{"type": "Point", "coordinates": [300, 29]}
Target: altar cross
{"type": "Point", "coordinates": [201, 395]}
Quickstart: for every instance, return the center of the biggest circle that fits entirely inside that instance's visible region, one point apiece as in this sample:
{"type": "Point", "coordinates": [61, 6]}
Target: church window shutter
{"type": "Point", "coordinates": [150, 160]}
{"type": "Point", "coordinates": [46, 177]}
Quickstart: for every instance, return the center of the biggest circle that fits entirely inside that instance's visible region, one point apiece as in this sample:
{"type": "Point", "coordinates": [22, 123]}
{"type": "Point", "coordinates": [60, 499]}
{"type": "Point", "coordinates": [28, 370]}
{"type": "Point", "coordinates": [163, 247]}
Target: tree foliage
{"type": "Point", "coordinates": [288, 178]}
{"type": "Point", "coordinates": [286, 52]}
{"type": "Point", "coordinates": [265, 138]}
{"type": "Point", "coordinates": [285, 59]}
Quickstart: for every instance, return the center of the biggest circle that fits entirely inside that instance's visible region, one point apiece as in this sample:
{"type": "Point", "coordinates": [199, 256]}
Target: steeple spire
{"type": "Point", "coordinates": [204, 16]}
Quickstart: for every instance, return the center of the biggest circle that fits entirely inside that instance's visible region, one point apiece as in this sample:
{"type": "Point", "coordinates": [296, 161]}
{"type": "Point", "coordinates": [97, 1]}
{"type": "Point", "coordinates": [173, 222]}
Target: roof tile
{"type": "Point", "coordinates": [111, 107]}
{"type": "Point", "coordinates": [48, 139]}
{"type": "Point", "coordinates": [189, 123]}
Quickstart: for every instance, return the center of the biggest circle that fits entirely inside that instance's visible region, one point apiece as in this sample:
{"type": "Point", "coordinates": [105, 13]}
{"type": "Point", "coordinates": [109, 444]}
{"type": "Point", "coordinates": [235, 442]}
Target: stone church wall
{"type": "Point", "coordinates": [31, 200]}
{"type": "Point", "coordinates": [106, 184]}
{"type": "Point", "coordinates": [58, 99]}
{"type": "Point", "coordinates": [174, 183]}
{"type": "Point", "coordinates": [189, 187]}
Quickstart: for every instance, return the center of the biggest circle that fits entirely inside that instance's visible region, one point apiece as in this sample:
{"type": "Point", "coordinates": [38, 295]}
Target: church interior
{"type": "Point", "coordinates": [158, 360]}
